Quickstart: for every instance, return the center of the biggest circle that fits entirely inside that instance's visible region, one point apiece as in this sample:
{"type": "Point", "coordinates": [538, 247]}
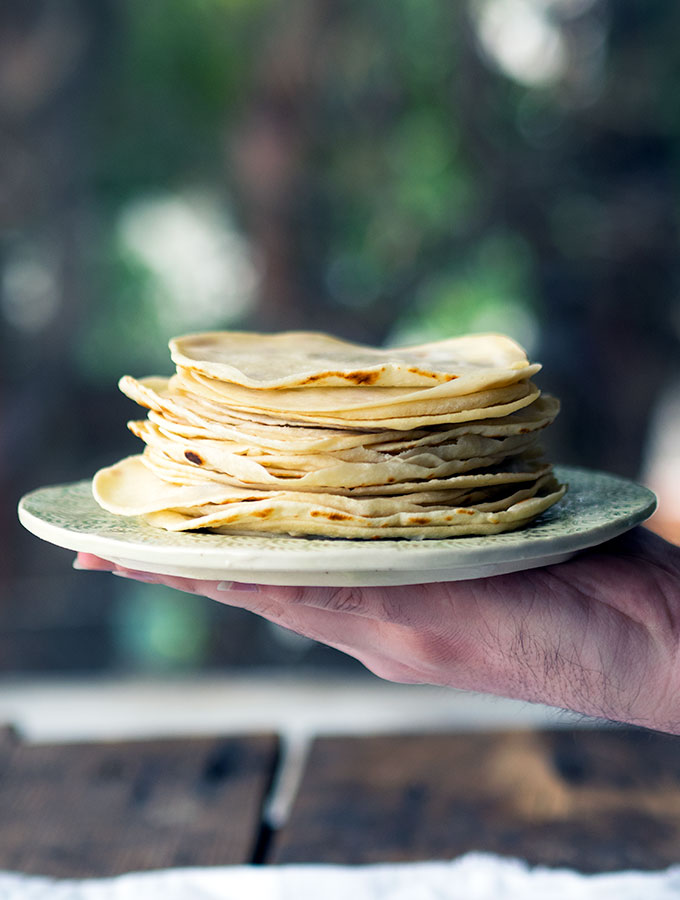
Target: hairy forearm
{"type": "Point", "coordinates": [598, 635]}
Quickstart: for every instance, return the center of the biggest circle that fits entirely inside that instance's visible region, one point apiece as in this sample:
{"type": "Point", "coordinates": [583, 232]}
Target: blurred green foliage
{"type": "Point", "coordinates": [366, 93]}
{"type": "Point", "coordinates": [174, 73]}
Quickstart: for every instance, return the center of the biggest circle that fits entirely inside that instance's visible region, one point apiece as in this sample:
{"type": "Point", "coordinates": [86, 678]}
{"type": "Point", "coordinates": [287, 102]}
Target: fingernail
{"type": "Point", "coordinates": [236, 586]}
{"type": "Point", "coordinates": [78, 565]}
{"type": "Point", "coordinates": [147, 577]}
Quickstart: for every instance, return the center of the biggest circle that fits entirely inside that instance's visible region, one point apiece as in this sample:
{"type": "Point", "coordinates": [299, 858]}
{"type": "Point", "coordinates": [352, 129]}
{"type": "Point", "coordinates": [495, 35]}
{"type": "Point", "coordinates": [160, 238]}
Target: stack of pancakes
{"type": "Point", "coordinates": [305, 434]}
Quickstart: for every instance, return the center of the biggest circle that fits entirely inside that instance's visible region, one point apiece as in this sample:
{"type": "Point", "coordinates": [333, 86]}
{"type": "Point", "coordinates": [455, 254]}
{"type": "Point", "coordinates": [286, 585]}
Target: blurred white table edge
{"type": "Point", "coordinates": [296, 707]}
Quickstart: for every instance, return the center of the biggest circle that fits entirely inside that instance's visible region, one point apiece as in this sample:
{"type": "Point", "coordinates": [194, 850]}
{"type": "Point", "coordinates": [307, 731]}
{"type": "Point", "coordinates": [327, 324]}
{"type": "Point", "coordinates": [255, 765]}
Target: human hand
{"type": "Point", "coordinates": [599, 634]}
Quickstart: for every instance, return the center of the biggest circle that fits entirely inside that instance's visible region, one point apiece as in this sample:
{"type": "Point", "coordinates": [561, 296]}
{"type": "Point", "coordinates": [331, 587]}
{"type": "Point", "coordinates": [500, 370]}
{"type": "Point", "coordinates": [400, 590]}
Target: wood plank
{"type": "Point", "coordinates": [81, 810]}
{"type": "Point", "coordinates": [595, 800]}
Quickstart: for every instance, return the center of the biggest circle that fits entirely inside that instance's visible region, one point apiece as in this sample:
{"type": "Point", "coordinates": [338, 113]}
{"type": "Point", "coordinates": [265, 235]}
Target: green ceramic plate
{"type": "Point", "coordinates": [597, 507]}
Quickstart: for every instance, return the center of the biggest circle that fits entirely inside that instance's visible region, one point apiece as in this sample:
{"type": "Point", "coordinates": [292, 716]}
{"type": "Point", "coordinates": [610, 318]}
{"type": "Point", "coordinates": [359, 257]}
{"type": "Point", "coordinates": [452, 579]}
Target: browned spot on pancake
{"type": "Point", "coordinates": [353, 377]}
{"type": "Point", "coordinates": [334, 516]}
{"type": "Point", "coordinates": [390, 480]}
{"type": "Point", "coordinates": [468, 512]}
{"type": "Point", "coordinates": [362, 377]}
{"type": "Point", "coordinates": [418, 520]}
{"type": "Point", "coordinates": [524, 430]}
{"type": "Point", "coordinates": [263, 513]}
{"type": "Point", "coordinates": [416, 371]}
{"type": "Point", "coordinates": [193, 457]}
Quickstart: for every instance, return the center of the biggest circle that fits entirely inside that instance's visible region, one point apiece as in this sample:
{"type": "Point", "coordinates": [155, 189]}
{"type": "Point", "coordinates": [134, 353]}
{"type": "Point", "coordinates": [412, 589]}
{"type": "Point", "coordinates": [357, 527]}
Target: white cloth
{"type": "Point", "coordinates": [476, 876]}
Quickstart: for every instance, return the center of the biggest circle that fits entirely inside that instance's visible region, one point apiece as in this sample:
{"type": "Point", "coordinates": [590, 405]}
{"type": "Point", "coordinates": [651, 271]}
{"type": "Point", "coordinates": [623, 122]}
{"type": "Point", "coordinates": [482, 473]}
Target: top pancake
{"type": "Point", "coordinates": [307, 359]}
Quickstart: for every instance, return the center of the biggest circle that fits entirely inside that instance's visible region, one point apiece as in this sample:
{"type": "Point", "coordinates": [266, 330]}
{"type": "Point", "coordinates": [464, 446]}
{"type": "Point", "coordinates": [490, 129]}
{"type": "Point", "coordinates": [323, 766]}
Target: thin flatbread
{"type": "Point", "coordinates": [310, 360]}
{"type": "Point", "coordinates": [137, 485]}
{"type": "Point", "coordinates": [322, 470]}
{"type": "Point", "coordinates": [129, 488]}
{"type": "Point", "coordinates": [183, 414]}
{"type": "Point", "coordinates": [336, 401]}
{"type": "Point", "coordinates": [492, 403]}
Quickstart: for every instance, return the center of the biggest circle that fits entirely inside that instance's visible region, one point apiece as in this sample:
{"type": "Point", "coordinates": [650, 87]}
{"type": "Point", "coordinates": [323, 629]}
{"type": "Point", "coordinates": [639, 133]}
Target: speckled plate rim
{"type": "Point", "coordinates": [597, 508]}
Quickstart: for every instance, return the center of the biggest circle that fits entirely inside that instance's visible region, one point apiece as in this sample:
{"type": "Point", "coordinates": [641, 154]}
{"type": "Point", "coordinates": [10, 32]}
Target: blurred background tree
{"type": "Point", "coordinates": [389, 172]}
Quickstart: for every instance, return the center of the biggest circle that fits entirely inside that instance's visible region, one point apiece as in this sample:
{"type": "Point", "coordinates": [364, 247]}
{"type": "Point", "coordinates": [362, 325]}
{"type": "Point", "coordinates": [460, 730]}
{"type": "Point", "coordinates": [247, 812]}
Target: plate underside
{"type": "Point", "coordinates": [597, 508]}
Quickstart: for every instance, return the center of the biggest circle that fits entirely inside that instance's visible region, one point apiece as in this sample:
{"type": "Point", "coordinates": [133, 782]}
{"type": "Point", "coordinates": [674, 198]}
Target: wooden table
{"type": "Point", "coordinates": [596, 800]}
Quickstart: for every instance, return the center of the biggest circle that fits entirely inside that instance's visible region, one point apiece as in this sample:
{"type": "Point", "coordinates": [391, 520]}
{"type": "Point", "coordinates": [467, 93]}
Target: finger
{"type": "Point", "coordinates": [92, 563]}
{"type": "Point", "coordinates": [89, 562]}
{"type": "Point", "coordinates": [179, 583]}
{"type": "Point", "coordinates": [410, 605]}
{"type": "Point", "coordinates": [231, 593]}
